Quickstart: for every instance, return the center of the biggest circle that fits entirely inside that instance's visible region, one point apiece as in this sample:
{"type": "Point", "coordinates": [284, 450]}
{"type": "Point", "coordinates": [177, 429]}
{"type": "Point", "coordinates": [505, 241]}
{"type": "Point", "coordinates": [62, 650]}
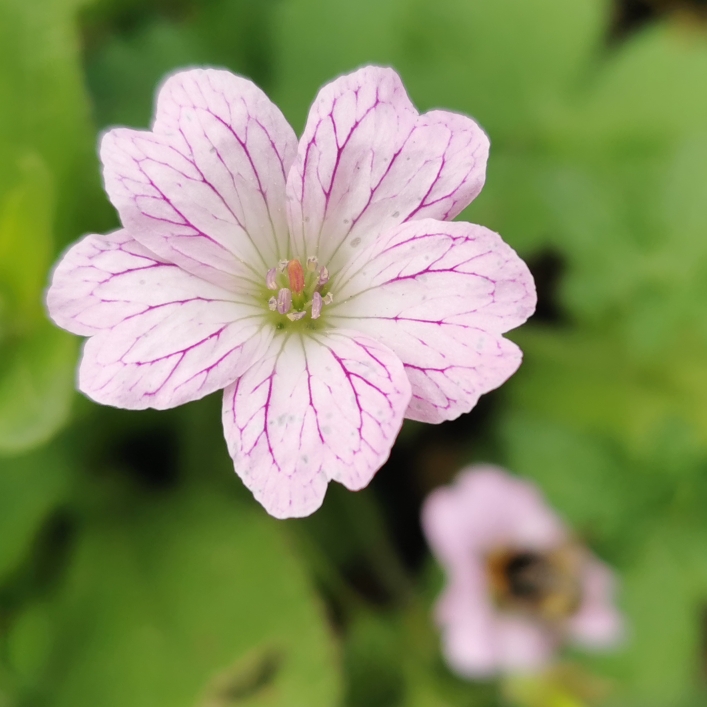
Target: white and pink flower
{"type": "Point", "coordinates": [319, 283]}
{"type": "Point", "coordinates": [518, 585]}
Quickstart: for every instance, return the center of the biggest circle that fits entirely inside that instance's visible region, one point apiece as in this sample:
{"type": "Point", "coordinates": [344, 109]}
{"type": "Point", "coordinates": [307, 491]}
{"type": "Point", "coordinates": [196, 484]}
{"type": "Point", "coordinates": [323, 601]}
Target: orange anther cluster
{"type": "Point", "coordinates": [295, 272]}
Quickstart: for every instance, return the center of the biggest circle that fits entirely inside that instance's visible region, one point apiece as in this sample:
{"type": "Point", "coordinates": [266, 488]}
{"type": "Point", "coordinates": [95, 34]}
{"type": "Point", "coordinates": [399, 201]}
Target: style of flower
{"type": "Point", "coordinates": [319, 284]}
{"type": "Point", "coordinates": [518, 585]}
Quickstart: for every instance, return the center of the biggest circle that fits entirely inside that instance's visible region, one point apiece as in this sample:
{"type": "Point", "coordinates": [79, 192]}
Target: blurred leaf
{"type": "Point", "coordinates": [45, 110]}
{"type": "Point", "coordinates": [37, 360]}
{"type": "Point", "coordinates": [31, 486]}
{"type": "Point", "coordinates": [660, 658]}
{"type": "Point", "coordinates": [573, 469]}
{"type": "Point", "coordinates": [26, 242]}
{"type": "Point", "coordinates": [646, 93]}
{"type": "Point", "coordinates": [514, 77]}
{"type": "Point", "coordinates": [592, 381]}
{"type": "Point", "coordinates": [196, 602]}
{"type": "Point", "coordinates": [316, 40]}
{"type": "Point", "coordinates": [373, 663]}
{"type": "Point", "coordinates": [36, 387]}
{"type": "Point", "coordinates": [125, 68]}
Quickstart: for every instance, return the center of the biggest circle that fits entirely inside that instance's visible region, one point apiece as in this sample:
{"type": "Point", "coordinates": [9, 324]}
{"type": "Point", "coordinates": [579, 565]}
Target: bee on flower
{"type": "Point", "coordinates": [518, 584]}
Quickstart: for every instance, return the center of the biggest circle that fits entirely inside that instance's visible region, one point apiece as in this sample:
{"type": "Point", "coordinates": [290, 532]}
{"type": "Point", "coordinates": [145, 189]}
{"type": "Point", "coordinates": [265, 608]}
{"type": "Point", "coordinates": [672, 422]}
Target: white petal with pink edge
{"type": "Point", "coordinates": [161, 336]}
{"type": "Point", "coordinates": [316, 408]}
{"type": "Point", "coordinates": [440, 295]}
{"type": "Point", "coordinates": [206, 188]}
{"type": "Point", "coordinates": [367, 161]}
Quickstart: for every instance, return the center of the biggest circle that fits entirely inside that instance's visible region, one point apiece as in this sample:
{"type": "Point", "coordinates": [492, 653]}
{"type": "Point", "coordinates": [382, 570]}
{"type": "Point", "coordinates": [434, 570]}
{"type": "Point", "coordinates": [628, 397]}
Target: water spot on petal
{"type": "Point", "coordinates": [396, 214]}
{"type": "Point", "coordinates": [355, 242]}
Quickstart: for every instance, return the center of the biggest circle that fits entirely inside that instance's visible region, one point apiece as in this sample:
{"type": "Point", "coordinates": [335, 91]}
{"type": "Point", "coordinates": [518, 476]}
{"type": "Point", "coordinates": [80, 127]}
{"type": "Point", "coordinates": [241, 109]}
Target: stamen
{"type": "Point", "coordinates": [316, 305]}
{"type": "Point", "coordinates": [328, 299]}
{"type": "Point", "coordinates": [323, 275]}
{"type": "Point", "coordinates": [295, 316]}
{"type": "Point", "coordinates": [272, 304]}
{"type": "Point", "coordinates": [296, 274]}
{"type": "Point", "coordinates": [270, 279]}
{"type": "Point", "coordinates": [284, 301]}
{"type": "Point", "coordinates": [282, 265]}
{"type": "Point", "coordinates": [312, 263]}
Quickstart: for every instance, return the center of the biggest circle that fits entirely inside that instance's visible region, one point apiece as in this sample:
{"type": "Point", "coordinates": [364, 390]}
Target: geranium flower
{"type": "Point", "coordinates": [518, 585]}
{"type": "Point", "coordinates": [319, 284]}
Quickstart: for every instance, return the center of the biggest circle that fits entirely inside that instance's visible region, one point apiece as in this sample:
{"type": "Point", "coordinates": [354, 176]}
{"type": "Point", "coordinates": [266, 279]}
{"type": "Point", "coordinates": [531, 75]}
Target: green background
{"type": "Point", "coordinates": [135, 570]}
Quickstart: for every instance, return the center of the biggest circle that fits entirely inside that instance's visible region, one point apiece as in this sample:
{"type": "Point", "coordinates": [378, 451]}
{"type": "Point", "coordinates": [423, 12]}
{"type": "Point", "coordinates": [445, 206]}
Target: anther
{"type": "Point", "coordinates": [272, 304]}
{"type": "Point", "coordinates": [270, 279]}
{"type": "Point", "coordinates": [295, 316]}
{"type": "Point", "coordinates": [282, 265]}
{"type": "Point", "coordinates": [328, 299]}
{"type": "Point", "coordinates": [296, 274]}
{"type": "Point", "coordinates": [323, 276]}
{"type": "Point", "coordinates": [284, 301]}
{"type": "Point", "coordinates": [312, 263]}
{"type": "Point", "coordinates": [316, 305]}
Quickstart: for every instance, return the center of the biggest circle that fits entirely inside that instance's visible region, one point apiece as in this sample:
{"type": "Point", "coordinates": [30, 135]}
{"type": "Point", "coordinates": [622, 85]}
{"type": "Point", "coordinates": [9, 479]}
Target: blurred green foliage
{"type": "Point", "coordinates": [133, 568]}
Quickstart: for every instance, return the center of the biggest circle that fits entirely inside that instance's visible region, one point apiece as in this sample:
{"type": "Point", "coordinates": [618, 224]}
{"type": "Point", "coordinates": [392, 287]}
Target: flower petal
{"type": "Point", "coordinates": [314, 409]}
{"type": "Point", "coordinates": [162, 336]}
{"type": "Point", "coordinates": [598, 623]}
{"type": "Point", "coordinates": [486, 508]}
{"type": "Point", "coordinates": [206, 188]}
{"type": "Point", "coordinates": [467, 620]}
{"type": "Point", "coordinates": [368, 161]}
{"type": "Point", "coordinates": [523, 645]}
{"type": "Point", "coordinates": [439, 295]}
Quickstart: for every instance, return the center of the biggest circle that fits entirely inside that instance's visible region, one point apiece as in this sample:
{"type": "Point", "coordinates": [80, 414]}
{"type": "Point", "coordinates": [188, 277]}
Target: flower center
{"type": "Point", "coordinates": [545, 585]}
{"type": "Point", "coordinates": [298, 291]}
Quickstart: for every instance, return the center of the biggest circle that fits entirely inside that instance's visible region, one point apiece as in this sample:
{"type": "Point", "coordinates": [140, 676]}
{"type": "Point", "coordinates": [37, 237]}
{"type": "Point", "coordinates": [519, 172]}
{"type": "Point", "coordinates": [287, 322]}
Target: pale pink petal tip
{"type": "Point", "coordinates": [487, 511]}
{"type": "Point", "coordinates": [313, 410]}
{"type": "Point", "coordinates": [441, 296]}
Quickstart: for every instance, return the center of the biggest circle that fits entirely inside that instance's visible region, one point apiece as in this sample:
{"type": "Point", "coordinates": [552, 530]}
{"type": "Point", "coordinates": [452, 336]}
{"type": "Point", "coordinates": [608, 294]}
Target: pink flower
{"type": "Point", "coordinates": [318, 283]}
{"type": "Point", "coordinates": [517, 585]}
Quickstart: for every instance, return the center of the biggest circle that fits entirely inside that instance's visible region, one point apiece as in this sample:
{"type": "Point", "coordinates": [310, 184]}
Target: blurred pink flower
{"type": "Point", "coordinates": [518, 586]}
{"type": "Point", "coordinates": [319, 284]}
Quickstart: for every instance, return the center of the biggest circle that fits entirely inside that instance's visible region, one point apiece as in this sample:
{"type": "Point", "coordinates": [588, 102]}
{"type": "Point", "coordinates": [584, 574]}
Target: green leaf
{"type": "Point", "coordinates": [595, 381]}
{"type": "Point", "coordinates": [31, 487]}
{"type": "Point", "coordinates": [571, 467]}
{"type": "Point", "coordinates": [125, 69]}
{"type": "Point", "coordinates": [26, 242]}
{"type": "Point", "coordinates": [37, 361]}
{"type": "Point", "coordinates": [36, 387]}
{"type": "Point", "coordinates": [45, 110]}
{"type": "Point", "coordinates": [512, 76]}
{"type": "Point", "coordinates": [645, 93]}
{"type": "Point", "coordinates": [316, 40]}
{"type": "Point", "coordinates": [196, 601]}
{"type": "Point", "coordinates": [661, 654]}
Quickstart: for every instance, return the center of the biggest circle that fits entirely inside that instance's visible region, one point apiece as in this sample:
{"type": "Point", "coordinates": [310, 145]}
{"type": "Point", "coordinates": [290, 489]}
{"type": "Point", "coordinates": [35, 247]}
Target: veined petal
{"type": "Point", "coordinates": [439, 295]}
{"type": "Point", "coordinates": [314, 409]}
{"type": "Point", "coordinates": [367, 161]}
{"type": "Point", "coordinates": [161, 336]}
{"type": "Point", "coordinates": [206, 188]}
